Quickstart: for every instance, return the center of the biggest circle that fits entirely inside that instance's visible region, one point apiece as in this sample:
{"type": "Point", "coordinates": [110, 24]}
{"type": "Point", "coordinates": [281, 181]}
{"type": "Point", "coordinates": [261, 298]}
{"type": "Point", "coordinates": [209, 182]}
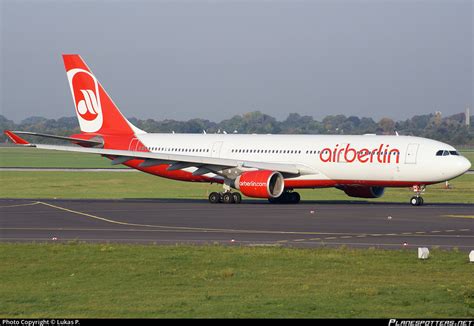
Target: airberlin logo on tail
{"type": "Point", "coordinates": [87, 107]}
{"type": "Point", "coordinates": [85, 93]}
{"type": "Point", "coordinates": [347, 154]}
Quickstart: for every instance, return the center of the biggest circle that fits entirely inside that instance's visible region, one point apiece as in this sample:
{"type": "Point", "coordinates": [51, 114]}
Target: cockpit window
{"type": "Point", "coordinates": [446, 153]}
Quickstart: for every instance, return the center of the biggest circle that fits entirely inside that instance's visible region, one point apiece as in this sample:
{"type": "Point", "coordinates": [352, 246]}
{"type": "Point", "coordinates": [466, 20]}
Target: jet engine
{"type": "Point", "coordinates": [363, 191]}
{"type": "Point", "coordinates": [261, 184]}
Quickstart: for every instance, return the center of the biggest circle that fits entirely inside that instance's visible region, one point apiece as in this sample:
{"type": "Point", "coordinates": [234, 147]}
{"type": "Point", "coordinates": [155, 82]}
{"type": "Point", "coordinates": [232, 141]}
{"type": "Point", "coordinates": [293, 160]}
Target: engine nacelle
{"type": "Point", "coordinates": [261, 184]}
{"type": "Point", "coordinates": [363, 191]}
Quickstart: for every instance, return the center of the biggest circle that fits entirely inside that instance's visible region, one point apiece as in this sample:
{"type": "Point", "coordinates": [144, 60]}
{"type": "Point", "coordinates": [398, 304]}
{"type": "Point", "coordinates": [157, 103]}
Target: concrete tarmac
{"type": "Point", "coordinates": [253, 223]}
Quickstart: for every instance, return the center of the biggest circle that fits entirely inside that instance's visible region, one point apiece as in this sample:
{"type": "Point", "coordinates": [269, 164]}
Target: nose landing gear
{"type": "Point", "coordinates": [417, 200]}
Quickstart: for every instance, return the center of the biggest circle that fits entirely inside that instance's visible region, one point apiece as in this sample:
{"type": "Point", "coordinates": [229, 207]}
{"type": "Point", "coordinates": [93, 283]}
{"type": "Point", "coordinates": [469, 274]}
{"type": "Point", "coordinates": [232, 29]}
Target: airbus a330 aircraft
{"type": "Point", "coordinates": [260, 166]}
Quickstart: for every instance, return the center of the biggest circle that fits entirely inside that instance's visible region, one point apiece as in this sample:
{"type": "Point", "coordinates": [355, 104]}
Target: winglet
{"type": "Point", "coordinates": [15, 138]}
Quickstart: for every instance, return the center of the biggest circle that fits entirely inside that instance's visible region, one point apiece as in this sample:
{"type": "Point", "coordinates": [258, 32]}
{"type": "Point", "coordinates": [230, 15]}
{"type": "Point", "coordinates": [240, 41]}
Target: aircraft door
{"type": "Point", "coordinates": [412, 151]}
{"type": "Point", "coordinates": [216, 149]}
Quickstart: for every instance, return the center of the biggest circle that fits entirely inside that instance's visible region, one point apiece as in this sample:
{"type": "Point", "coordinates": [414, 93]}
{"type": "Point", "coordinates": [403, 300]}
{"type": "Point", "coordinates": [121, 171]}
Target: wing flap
{"type": "Point", "coordinates": [121, 159]}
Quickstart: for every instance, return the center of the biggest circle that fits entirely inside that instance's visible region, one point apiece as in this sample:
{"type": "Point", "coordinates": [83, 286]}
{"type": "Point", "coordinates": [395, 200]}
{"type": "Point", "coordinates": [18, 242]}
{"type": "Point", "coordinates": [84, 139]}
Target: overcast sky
{"type": "Point", "coordinates": [215, 59]}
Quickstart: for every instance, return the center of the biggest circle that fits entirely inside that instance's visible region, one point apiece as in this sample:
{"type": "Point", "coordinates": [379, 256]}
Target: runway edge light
{"type": "Point", "coordinates": [471, 256]}
{"type": "Point", "coordinates": [423, 253]}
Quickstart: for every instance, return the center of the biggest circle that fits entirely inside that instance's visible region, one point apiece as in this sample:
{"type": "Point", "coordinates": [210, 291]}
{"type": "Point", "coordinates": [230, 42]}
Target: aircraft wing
{"type": "Point", "coordinates": [205, 164]}
{"type": "Point", "coordinates": [177, 161]}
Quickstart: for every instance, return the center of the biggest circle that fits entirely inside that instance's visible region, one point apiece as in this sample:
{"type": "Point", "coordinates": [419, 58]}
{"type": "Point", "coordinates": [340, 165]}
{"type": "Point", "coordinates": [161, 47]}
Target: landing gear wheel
{"type": "Point", "coordinates": [286, 198]}
{"type": "Point", "coordinates": [294, 197]}
{"type": "Point", "coordinates": [237, 197]}
{"type": "Point", "coordinates": [214, 198]}
{"type": "Point", "coordinates": [416, 201]}
{"type": "Point", "coordinates": [228, 198]}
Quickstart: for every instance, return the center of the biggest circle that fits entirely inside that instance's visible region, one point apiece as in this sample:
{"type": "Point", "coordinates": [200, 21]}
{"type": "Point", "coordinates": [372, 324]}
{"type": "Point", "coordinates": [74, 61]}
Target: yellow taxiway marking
{"type": "Point", "coordinates": [459, 216]}
{"type": "Point", "coordinates": [183, 227]}
{"type": "Point", "coordinates": [21, 205]}
{"type": "Point", "coordinates": [414, 234]}
{"type": "Point", "coordinates": [165, 228]}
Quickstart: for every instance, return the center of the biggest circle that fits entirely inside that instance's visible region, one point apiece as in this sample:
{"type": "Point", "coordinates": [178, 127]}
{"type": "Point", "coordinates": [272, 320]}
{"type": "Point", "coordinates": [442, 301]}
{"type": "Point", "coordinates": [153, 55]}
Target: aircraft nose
{"type": "Point", "coordinates": [464, 164]}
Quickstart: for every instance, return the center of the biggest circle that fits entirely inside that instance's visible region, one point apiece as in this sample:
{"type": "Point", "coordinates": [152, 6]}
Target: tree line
{"type": "Point", "coordinates": [451, 129]}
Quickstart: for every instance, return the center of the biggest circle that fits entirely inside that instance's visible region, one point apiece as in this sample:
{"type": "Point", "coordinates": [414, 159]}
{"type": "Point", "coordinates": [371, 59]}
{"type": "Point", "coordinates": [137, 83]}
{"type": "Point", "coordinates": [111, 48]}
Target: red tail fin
{"type": "Point", "coordinates": [95, 110]}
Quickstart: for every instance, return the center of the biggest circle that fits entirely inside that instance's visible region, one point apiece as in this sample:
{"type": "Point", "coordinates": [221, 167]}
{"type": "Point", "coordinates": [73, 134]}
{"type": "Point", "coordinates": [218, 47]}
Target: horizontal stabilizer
{"type": "Point", "coordinates": [83, 142]}
{"type": "Point", "coordinates": [15, 138]}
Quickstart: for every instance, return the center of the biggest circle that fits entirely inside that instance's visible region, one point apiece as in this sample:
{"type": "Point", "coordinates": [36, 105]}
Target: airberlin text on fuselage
{"type": "Point", "coordinates": [382, 154]}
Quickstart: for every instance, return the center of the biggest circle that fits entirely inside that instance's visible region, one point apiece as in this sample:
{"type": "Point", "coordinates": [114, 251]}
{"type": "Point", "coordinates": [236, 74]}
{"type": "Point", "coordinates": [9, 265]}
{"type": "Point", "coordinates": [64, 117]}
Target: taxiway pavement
{"type": "Point", "coordinates": [256, 223]}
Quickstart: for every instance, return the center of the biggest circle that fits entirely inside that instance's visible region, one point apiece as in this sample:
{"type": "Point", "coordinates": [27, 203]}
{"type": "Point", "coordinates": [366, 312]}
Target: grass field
{"type": "Point", "coordinates": [104, 280]}
{"type": "Point", "coordinates": [112, 185]}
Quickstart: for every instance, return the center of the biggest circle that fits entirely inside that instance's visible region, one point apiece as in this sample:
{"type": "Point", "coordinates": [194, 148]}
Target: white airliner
{"type": "Point", "coordinates": [260, 166]}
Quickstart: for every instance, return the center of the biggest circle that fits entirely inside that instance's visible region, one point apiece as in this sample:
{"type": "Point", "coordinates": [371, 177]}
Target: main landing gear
{"type": "Point", "coordinates": [417, 200]}
{"type": "Point", "coordinates": [226, 197]}
{"type": "Point", "coordinates": [286, 197]}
